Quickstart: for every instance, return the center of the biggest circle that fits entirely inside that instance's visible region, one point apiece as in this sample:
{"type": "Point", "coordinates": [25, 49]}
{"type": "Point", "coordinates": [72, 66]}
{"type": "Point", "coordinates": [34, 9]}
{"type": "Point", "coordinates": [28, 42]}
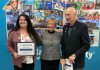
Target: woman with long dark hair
{"type": "Point", "coordinates": [23, 32]}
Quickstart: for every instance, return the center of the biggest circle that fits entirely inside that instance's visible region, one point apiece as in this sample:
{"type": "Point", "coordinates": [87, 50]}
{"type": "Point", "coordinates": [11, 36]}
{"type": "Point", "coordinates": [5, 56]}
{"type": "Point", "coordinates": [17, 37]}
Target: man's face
{"type": "Point", "coordinates": [69, 16]}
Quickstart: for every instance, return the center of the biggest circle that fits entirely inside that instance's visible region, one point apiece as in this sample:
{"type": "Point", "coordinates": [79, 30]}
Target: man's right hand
{"type": "Point", "coordinates": [15, 55]}
{"type": "Point", "coordinates": [62, 61]}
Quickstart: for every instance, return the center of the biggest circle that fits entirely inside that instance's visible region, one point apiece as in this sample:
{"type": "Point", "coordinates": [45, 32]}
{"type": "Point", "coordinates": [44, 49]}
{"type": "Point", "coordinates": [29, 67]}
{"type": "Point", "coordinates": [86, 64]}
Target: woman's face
{"type": "Point", "coordinates": [22, 22]}
{"type": "Point", "coordinates": [51, 26]}
{"type": "Point", "coordinates": [15, 4]}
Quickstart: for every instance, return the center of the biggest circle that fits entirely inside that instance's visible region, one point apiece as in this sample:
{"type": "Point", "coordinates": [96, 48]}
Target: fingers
{"type": "Point", "coordinates": [16, 55]}
{"type": "Point", "coordinates": [62, 61]}
{"type": "Point", "coordinates": [71, 60]}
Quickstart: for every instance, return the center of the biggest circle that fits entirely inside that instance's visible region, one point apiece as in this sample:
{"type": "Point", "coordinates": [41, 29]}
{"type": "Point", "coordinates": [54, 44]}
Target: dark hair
{"type": "Point", "coordinates": [30, 28]}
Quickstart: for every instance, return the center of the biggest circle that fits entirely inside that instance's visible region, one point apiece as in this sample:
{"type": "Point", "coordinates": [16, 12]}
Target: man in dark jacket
{"type": "Point", "coordinates": [75, 40]}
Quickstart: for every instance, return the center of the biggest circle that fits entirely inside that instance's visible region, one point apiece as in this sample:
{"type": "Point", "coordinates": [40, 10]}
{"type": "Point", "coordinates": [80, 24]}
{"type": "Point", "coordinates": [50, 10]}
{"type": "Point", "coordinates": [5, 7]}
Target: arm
{"type": "Point", "coordinates": [85, 42]}
{"type": "Point", "coordinates": [10, 44]}
{"type": "Point", "coordinates": [40, 39]}
{"type": "Point", "coordinates": [62, 60]}
{"type": "Point", "coordinates": [63, 43]}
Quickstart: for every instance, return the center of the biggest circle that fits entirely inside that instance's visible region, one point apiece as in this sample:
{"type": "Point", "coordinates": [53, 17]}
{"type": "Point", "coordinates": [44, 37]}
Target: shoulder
{"type": "Point", "coordinates": [82, 25]}
{"type": "Point", "coordinates": [12, 32]}
{"type": "Point", "coordinates": [64, 27]}
{"type": "Point", "coordinates": [43, 32]}
{"type": "Point", "coordinates": [8, 7]}
{"type": "Point", "coordinates": [59, 34]}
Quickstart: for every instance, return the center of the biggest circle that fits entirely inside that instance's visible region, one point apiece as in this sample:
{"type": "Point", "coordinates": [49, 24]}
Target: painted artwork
{"type": "Point", "coordinates": [40, 11]}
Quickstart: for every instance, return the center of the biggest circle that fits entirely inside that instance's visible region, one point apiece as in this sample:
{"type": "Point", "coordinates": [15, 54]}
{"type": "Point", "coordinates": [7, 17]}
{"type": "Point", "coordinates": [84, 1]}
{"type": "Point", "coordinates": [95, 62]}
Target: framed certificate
{"type": "Point", "coordinates": [24, 48]}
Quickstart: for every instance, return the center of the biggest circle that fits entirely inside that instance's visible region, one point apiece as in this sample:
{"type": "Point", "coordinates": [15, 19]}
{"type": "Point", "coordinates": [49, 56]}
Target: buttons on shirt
{"type": "Point", "coordinates": [51, 42]}
{"type": "Point", "coordinates": [51, 45]}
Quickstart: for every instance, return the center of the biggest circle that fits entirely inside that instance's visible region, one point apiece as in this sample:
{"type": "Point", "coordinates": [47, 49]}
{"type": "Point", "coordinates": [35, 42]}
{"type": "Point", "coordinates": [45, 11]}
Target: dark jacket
{"type": "Point", "coordinates": [76, 43]}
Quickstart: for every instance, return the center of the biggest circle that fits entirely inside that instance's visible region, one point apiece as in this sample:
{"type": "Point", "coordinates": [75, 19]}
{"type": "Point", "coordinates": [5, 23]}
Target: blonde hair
{"type": "Point", "coordinates": [51, 21]}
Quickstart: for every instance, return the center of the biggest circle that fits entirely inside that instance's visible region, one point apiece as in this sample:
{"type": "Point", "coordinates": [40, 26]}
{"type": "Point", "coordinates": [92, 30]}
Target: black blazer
{"type": "Point", "coordinates": [76, 43]}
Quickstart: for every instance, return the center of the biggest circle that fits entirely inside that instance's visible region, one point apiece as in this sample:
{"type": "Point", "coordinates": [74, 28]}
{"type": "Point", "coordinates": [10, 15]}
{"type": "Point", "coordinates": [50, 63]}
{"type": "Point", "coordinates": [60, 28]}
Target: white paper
{"type": "Point", "coordinates": [25, 48]}
{"type": "Point", "coordinates": [68, 65]}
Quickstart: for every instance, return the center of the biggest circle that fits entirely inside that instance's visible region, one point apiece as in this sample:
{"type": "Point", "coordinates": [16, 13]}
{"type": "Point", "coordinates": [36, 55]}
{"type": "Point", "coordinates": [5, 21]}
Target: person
{"type": "Point", "coordinates": [23, 32]}
{"type": "Point", "coordinates": [62, 3]}
{"type": "Point", "coordinates": [97, 5]}
{"type": "Point", "coordinates": [48, 5]}
{"type": "Point", "coordinates": [40, 5]}
{"type": "Point", "coordinates": [50, 56]}
{"type": "Point", "coordinates": [87, 6]}
{"type": "Point", "coordinates": [12, 5]}
{"type": "Point", "coordinates": [75, 40]}
{"type": "Point", "coordinates": [78, 4]}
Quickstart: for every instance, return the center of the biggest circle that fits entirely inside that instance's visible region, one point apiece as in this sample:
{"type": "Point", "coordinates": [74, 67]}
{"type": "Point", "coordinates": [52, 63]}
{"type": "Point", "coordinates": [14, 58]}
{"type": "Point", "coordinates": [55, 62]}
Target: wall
{"type": "Point", "coordinates": [92, 57]}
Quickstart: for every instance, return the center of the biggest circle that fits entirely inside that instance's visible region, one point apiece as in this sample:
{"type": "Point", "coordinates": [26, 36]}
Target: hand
{"type": "Point", "coordinates": [15, 55]}
{"type": "Point", "coordinates": [72, 58]}
{"type": "Point", "coordinates": [62, 61]}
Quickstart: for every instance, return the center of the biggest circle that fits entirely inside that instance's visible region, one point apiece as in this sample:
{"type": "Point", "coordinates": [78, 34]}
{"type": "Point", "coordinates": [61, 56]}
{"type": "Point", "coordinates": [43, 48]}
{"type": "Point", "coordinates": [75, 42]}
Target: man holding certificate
{"type": "Point", "coordinates": [21, 43]}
